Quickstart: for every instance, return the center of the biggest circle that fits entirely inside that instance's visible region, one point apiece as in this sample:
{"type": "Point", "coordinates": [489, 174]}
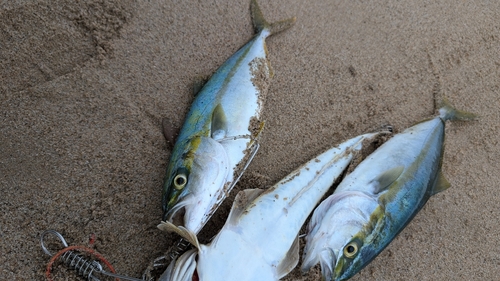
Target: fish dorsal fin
{"type": "Point", "coordinates": [290, 261]}
{"type": "Point", "coordinates": [219, 123]}
{"type": "Point", "coordinates": [182, 231]}
{"type": "Point", "coordinates": [260, 23]}
{"type": "Point", "coordinates": [384, 180]}
{"type": "Point", "coordinates": [242, 200]}
{"type": "Point", "coordinates": [441, 183]}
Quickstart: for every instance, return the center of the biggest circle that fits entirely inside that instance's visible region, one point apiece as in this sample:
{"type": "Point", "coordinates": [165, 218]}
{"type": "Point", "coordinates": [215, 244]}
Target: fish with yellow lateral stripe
{"type": "Point", "coordinates": [218, 138]}
{"type": "Point", "coordinates": [378, 199]}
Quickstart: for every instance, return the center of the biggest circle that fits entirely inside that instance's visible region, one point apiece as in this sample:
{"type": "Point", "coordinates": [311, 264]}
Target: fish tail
{"type": "Point", "coordinates": [260, 23]}
{"type": "Point", "coordinates": [449, 112]}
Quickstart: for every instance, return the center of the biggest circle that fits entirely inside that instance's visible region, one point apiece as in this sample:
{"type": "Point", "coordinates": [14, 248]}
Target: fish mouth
{"type": "Point", "coordinates": [176, 214]}
{"type": "Point", "coordinates": [328, 260]}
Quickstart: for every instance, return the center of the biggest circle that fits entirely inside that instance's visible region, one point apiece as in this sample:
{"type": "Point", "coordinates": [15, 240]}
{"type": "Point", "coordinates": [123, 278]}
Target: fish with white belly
{"type": "Point", "coordinates": [217, 140]}
{"type": "Point", "coordinates": [378, 199]}
{"type": "Point", "coordinates": [259, 240]}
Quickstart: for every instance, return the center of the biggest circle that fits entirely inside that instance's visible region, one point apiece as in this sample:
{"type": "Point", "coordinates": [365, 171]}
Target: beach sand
{"type": "Point", "coordinates": [84, 86]}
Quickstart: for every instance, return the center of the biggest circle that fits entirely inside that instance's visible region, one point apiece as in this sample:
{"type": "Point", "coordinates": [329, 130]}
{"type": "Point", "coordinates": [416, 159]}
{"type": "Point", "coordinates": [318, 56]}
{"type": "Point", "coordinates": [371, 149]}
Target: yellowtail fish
{"type": "Point", "coordinates": [259, 240]}
{"type": "Point", "coordinates": [378, 199]}
{"type": "Point", "coordinates": [217, 140]}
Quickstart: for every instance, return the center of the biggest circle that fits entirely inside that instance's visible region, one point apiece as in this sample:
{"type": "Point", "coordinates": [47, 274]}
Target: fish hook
{"type": "Point", "coordinates": [77, 262]}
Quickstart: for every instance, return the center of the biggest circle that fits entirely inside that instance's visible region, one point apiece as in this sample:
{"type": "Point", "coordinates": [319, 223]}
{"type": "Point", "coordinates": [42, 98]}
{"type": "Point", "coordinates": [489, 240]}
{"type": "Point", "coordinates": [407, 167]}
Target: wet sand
{"type": "Point", "coordinates": [84, 86]}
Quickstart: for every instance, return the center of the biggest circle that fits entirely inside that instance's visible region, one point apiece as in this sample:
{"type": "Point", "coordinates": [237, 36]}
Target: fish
{"type": "Point", "coordinates": [219, 136]}
{"type": "Point", "coordinates": [259, 240]}
{"type": "Point", "coordinates": [378, 199]}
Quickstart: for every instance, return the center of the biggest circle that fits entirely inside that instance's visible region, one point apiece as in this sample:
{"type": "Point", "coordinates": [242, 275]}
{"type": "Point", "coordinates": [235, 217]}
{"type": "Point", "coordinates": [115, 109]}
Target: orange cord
{"type": "Point", "coordinates": [80, 249]}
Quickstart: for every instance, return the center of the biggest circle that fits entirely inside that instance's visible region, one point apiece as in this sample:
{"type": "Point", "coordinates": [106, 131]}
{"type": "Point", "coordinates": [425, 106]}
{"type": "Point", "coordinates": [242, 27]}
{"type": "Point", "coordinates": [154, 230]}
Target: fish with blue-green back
{"type": "Point", "coordinates": [259, 240]}
{"type": "Point", "coordinates": [218, 138]}
{"type": "Point", "coordinates": [378, 199]}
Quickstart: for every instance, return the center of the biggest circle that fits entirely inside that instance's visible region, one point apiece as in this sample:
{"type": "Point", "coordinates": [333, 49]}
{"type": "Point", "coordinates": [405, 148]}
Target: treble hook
{"type": "Point", "coordinates": [84, 267]}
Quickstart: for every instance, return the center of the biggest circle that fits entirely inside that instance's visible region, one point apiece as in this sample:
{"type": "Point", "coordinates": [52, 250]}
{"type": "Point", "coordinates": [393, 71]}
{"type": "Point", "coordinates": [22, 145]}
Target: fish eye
{"type": "Point", "coordinates": [180, 181]}
{"type": "Point", "coordinates": [351, 250]}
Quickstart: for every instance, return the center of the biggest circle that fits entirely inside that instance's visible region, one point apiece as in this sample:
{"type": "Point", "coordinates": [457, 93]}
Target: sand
{"type": "Point", "coordinates": [84, 86]}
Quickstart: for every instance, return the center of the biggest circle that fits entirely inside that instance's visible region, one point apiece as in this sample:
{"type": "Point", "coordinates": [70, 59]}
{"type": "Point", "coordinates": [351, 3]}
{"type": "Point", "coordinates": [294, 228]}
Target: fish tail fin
{"type": "Point", "coordinates": [449, 112]}
{"type": "Point", "coordinates": [260, 23]}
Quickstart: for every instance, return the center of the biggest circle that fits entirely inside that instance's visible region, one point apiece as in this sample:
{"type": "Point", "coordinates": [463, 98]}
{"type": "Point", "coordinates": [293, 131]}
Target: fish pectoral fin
{"type": "Point", "coordinates": [182, 231]}
{"type": "Point", "coordinates": [169, 132]}
{"type": "Point", "coordinates": [384, 180]}
{"type": "Point", "coordinates": [290, 261]}
{"type": "Point", "coordinates": [219, 123]}
{"type": "Point", "coordinates": [441, 183]}
{"type": "Point", "coordinates": [242, 200]}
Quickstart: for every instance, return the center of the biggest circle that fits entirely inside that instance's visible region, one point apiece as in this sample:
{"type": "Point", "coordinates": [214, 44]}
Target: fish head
{"type": "Point", "coordinates": [340, 258]}
{"type": "Point", "coordinates": [359, 250]}
{"type": "Point", "coordinates": [329, 253]}
{"type": "Point", "coordinates": [196, 176]}
{"type": "Point", "coordinates": [337, 234]}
